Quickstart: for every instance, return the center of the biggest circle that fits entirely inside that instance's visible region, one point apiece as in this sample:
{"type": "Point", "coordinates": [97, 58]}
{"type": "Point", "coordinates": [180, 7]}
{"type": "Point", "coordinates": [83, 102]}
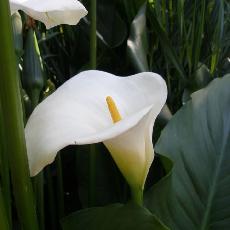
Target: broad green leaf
{"type": "Point", "coordinates": [196, 192]}
{"type": "Point", "coordinates": [113, 217]}
{"type": "Point", "coordinates": [137, 44]}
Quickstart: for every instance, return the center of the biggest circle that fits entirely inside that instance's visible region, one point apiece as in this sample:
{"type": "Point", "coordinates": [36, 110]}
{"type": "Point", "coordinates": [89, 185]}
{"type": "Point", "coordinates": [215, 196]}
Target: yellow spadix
{"type": "Point", "coordinates": [114, 112]}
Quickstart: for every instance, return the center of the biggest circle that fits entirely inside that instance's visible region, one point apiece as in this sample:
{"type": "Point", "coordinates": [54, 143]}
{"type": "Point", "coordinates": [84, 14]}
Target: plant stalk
{"type": "Point", "coordinates": [4, 225]}
{"type": "Point", "coordinates": [92, 174]}
{"type": "Point", "coordinates": [93, 65]}
{"type": "Point", "coordinates": [13, 124]}
{"type": "Point", "coordinates": [51, 200]}
{"type": "Point", "coordinates": [38, 186]}
{"type": "Point", "coordinates": [5, 172]}
{"type": "Point", "coordinates": [60, 191]}
{"type": "Point", "coordinates": [93, 34]}
{"type": "Point", "coordinates": [137, 195]}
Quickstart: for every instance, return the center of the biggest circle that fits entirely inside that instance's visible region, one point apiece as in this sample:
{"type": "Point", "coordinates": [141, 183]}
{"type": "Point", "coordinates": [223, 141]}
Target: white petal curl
{"type": "Point", "coordinates": [77, 113]}
{"type": "Point", "coordinates": [51, 12]}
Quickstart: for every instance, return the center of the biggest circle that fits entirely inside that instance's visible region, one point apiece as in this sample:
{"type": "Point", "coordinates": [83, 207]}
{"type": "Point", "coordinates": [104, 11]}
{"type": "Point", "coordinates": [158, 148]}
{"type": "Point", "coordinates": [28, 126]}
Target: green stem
{"type": "Point", "coordinates": [4, 225]}
{"type": "Point", "coordinates": [60, 191]}
{"type": "Point", "coordinates": [51, 200]}
{"type": "Point", "coordinates": [93, 34]}
{"type": "Point", "coordinates": [38, 185]}
{"type": "Point", "coordinates": [4, 171]}
{"type": "Point", "coordinates": [92, 175]}
{"type": "Point", "coordinates": [93, 65]}
{"type": "Point", "coordinates": [13, 124]}
{"type": "Point", "coordinates": [137, 195]}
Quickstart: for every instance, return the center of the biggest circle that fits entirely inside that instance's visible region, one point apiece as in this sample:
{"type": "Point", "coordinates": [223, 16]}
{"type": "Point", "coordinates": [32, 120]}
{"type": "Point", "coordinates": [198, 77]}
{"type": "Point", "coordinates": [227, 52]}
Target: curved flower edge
{"type": "Point", "coordinates": [51, 13]}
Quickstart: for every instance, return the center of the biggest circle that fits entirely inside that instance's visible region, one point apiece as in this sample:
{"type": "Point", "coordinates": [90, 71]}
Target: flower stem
{"type": "Point", "coordinates": [137, 195]}
{"type": "Point", "coordinates": [93, 65]}
{"type": "Point", "coordinates": [5, 172]}
{"type": "Point", "coordinates": [38, 186]}
{"type": "Point", "coordinates": [60, 191]}
{"type": "Point", "coordinates": [13, 124]}
{"type": "Point", "coordinates": [92, 174]}
{"type": "Point", "coordinates": [51, 200]}
{"type": "Point", "coordinates": [3, 216]}
{"type": "Point", "coordinates": [93, 34]}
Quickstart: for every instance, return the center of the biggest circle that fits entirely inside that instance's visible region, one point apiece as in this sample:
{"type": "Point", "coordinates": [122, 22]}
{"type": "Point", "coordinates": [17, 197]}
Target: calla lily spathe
{"type": "Point", "coordinates": [77, 113]}
{"type": "Point", "coordinates": [51, 12]}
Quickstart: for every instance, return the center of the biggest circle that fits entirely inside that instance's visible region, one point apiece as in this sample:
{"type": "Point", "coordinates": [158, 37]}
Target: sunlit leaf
{"type": "Point", "coordinates": [196, 193]}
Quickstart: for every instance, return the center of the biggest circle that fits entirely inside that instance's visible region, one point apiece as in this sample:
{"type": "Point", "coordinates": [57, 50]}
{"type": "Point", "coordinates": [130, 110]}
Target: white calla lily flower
{"type": "Point", "coordinates": [51, 12]}
{"type": "Point", "coordinates": [77, 114]}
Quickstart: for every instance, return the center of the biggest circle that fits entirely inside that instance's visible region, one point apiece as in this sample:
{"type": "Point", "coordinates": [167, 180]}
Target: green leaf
{"type": "Point", "coordinates": [198, 30]}
{"type": "Point", "coordinates": [165, 42]}
{"type": "Point", "coordinates": [113, 217]}
{"type": "Point", "coordinates": [196, 192]}
{"type": "Point", "coordinates": [137, 44]}
{"type": "Point", "coordinates": [217, 19]}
